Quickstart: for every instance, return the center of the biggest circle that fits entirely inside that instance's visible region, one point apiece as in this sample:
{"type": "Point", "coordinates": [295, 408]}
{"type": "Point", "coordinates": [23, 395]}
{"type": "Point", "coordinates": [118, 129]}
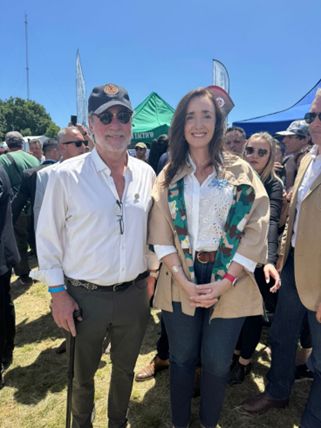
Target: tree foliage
{"type": "Point", "coordinates": [25, 116]}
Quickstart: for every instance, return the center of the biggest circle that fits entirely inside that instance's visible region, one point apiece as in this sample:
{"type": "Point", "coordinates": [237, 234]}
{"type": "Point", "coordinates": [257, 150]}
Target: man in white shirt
{"type": "Point", "coordinates": [91, 241]}
{"type": "Point", "coordinates": [300, 293]}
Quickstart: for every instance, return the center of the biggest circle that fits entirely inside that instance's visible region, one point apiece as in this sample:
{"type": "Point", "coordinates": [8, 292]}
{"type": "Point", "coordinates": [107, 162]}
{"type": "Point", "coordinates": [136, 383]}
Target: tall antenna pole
{"type": "Point", "coordinates": [27, 56]}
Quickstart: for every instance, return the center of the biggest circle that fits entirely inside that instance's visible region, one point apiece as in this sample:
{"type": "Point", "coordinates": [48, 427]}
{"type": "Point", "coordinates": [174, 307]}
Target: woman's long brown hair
{"type": "Point", "coordinates": [178, 147]}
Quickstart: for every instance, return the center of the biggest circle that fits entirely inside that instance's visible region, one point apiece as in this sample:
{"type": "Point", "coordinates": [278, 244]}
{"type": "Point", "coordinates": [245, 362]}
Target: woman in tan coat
{"type": "Point", "coordinates": [208, 226]}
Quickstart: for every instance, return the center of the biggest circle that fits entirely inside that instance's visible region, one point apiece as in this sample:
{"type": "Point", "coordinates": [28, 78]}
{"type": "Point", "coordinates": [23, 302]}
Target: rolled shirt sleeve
{"type": "Point", "coordinates": [49, 233]}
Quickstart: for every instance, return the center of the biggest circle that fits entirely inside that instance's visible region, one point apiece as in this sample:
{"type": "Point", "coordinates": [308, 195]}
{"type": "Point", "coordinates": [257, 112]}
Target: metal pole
{"type": "Point", "coordinates": [27, 56]}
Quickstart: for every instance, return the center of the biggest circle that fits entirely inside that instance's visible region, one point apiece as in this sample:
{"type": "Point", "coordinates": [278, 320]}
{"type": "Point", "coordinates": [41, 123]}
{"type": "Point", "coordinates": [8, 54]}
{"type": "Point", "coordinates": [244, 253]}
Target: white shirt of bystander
{"type": "Point", "coordinates": [311, 174]}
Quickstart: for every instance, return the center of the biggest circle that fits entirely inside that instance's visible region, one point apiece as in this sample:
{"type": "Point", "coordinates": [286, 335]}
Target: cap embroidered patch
{"type": "Point", "coordinates": [111, 89]}
{"type": "Point", "coordinates": [220, 101]}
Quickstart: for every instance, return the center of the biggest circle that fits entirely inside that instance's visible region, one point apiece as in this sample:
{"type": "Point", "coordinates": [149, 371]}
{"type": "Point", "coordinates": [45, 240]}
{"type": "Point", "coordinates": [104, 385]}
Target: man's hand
{"type": "Point", "coordinates": [318, 313]}
{"type": "Point", "coordinates": [63, 307]}
{"type": "Point", "coordinates": [270, 271]}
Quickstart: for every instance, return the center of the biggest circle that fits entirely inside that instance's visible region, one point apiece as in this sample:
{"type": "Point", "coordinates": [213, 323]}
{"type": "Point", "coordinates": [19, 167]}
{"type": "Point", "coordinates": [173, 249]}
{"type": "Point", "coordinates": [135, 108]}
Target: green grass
{"type": "Point", "coordinates": [35, 392]}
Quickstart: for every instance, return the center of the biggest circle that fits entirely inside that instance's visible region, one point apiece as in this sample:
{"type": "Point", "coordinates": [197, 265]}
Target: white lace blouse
{"type": "Point", "coordinates": [207, 207]}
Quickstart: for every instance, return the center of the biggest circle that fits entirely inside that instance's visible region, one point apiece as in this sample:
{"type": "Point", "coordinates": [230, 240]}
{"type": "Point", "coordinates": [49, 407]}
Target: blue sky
{"type": "Point", "coordinates": [270, 48]}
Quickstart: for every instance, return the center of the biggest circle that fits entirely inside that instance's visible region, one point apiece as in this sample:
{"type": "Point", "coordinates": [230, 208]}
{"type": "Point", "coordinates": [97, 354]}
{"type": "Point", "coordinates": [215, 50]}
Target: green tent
{"type": "Point", "coordinates": [152, 118]}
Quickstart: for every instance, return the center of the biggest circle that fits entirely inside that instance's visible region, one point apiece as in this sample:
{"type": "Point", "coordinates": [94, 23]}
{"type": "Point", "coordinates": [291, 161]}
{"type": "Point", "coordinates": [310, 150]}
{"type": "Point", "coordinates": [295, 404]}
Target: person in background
{"type": "Point", "coordinates": [25, 198]}
{"type": "Point", "coordinates": [234, 140]}
{"type": "Point", "coordinates": [85, 132]}
{"type": "Point", "coordinates": [71, 143]}
{"type": "Point", "coordinates": [158, 149]}
{"type": "Point", "coordinates": [9, 256]}
{"type": "Point", "coordinates": [3, 148]}
{"type": "Point", "coordinates": [300, 294]}
{"type": "Point", "coordinates": [208, 226]}
{"type": "Point", "coordinates": [141, 151]}
{"type": "Point", "coordinates": [259, 152]}
{"type": "Point", "coordinates": [279, 168]}
{"type": "Point", "coordinates": [296, 140]}
{"type": "Point", "coordinates": [15, 162]}
{"type": "Point", "coordinates": [35, 149]}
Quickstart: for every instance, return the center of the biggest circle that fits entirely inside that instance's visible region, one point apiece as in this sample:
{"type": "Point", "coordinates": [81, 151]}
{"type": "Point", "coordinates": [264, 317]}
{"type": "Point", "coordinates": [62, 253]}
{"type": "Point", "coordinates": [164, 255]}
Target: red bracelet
{"type": "Point", "coordinates": [230, 278]}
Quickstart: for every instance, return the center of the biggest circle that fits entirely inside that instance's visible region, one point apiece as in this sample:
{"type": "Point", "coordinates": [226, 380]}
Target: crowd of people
{"type": "Point", "coordinates": [218, 229]}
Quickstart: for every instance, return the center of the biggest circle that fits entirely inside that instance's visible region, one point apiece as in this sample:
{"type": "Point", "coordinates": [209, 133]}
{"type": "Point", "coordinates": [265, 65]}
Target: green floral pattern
{"type": "Point", "coordinates": [237, 217]}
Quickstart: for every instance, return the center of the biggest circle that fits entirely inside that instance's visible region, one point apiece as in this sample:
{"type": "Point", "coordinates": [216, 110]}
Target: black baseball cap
{"type": "Point", "coordinates": [106, 96]}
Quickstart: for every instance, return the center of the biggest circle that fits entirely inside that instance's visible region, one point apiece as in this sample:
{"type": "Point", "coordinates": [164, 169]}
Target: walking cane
{"type": "Point", "coordinates": [71, 363]}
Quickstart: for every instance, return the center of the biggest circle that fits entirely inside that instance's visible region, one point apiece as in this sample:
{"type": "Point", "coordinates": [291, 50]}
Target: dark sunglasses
{"type": "Point", "coordinates": [77, 143]}
{"type": "Point", "coordinates": [123, 116]}
{"type": "Point", "coordinates": [311, 116]}
{"type": "Point", "coordinates": [251, 150]}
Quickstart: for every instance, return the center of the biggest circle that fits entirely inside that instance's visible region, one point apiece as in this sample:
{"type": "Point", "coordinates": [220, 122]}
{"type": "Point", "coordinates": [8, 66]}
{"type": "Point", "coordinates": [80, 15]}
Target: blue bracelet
{"type": "Point", "coordinates": [57, 289]}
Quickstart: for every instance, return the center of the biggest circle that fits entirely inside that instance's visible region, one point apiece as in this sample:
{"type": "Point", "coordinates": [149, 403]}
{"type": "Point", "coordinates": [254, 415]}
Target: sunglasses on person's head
{"type": "Point", "coordinates": [140, 148]}
{"type": "Point", "coordinates": [311, 116]}
{"type": "Point", "coordinates": [251, 150]}
{"type": "Point", "coordinates": [123, 116]}
{"type": "Point", "coordinates": [77, 143]}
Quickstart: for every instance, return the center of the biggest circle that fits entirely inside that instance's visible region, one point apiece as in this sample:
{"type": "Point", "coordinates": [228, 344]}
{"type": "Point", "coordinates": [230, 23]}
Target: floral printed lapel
{"type": "Point", "coordinates": [236, 220]}
{"type": "Point", "coordinates": [243, 199]}
{"type": "Point", "coordinates": [177, 208]}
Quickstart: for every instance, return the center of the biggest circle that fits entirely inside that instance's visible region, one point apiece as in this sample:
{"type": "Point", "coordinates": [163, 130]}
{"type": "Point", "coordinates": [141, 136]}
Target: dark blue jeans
{"type": "Point", "coordinates": [284, 335]}
{"type": "Point", "coordinates": [193, 340]}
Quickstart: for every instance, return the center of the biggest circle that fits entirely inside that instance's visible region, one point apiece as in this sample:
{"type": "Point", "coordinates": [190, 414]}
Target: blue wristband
{"type": "Point", "coordinates": [57, 289]}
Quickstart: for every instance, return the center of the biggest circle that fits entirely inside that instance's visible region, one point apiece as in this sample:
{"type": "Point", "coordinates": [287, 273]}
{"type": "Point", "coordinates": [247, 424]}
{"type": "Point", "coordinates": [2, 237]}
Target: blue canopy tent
{"type": "Point", "coordinates": [279, 121]}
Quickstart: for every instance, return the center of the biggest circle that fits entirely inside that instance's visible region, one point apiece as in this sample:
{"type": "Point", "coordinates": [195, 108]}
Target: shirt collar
{"type": "Point", "coordinates": [314, 153]}
{"type": "Point", "coordinates": [101, 166]}
{"type": "Point", "coordinates": [191, 163]}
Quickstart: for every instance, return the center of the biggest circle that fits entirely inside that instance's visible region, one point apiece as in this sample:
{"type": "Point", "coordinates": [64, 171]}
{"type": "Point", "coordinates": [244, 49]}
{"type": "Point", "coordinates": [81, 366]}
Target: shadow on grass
{"type": "Point", "coordinates": [17, 289]}
{"type": "Point", "coordinates": [151, 336]}
{"type": "Point", "coordinates": [37, 330]}
{"type": "Point", "coordinates": [153, 411]}
{"type": "Point", "coordinates": [47, 373]}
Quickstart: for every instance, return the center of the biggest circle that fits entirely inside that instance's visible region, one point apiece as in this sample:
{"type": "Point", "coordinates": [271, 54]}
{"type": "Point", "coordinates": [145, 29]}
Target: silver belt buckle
{"type": "Point", "coordinates": [115, 286]}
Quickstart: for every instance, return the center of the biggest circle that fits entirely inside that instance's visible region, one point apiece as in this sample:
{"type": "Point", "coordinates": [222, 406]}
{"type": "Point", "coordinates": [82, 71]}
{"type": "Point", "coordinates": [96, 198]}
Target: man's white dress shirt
{"type": "Point", "coordinates": [85, 232]}
{"type": "Point", "coordinates": [311, 174]}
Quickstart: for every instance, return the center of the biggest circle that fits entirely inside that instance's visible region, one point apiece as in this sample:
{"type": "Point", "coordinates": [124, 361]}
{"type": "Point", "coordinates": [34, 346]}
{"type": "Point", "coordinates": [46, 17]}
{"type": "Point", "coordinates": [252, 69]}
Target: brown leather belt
{"type": "Point", "coordinates": [115, 287]}
{"type": "Point", "coordinates": [205, 256]}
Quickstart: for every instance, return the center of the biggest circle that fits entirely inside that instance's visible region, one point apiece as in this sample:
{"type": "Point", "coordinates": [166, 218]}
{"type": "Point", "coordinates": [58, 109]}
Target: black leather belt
{"type": "Point", "coordinates": [205, 256]}
{"type": "Point", "coordinates": [115, 287]}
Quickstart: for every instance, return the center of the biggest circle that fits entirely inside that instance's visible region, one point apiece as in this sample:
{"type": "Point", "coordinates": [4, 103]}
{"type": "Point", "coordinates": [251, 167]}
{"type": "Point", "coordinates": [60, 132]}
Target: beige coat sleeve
{"type": "Point", "coordinates": [253, 244]}
{"type": "Point", "coordinates": [160, 229]}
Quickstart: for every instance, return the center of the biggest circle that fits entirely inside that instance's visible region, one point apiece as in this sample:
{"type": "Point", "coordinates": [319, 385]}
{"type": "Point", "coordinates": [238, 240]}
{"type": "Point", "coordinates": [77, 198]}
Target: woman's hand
{"type": "Point", "coordinates": [190, 289]}
{"type": "Point", "coordinates": [279, 263]}
{"type": "Point", "coordinates": [270, 271]}
{"type": "Point", "coordinates": [208, 294]}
